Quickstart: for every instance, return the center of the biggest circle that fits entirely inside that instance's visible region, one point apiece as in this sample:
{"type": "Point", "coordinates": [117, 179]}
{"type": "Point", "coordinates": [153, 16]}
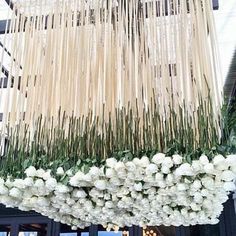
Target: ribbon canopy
{"type": "Point", "coordinates": [92, 78]}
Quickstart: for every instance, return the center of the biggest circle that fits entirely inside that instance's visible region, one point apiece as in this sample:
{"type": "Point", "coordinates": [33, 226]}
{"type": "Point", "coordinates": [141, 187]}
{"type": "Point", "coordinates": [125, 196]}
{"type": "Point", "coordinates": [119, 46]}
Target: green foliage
{"type": "Point", "coordinates": [88, 141]}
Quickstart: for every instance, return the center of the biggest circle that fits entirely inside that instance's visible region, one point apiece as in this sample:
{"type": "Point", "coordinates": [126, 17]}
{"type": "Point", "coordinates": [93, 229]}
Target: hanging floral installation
{"type": "Point", "coordinates": [112, 113]}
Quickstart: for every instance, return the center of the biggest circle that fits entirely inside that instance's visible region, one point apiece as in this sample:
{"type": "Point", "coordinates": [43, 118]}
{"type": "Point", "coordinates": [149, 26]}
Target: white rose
{"type": "Point", "coordinates": [184, 169]}
{"type": "Point", "coordinates": [159, 176]}
{"type": "Point", "coordinates": [208, 183]}
{"type": "Point", "coordinates": [110, 173]}
{"type": "Point", "coordinates": [120, 166]}
{"type": "Point", "coordinates": [228, 175]}
{"type": "Point", "coordinates": [40, 173]}
{"type": "Point", "coordinates": [138, 187]}
{"type": "Point", "coordinates": [182, 187]}
{"type": "Point", "coordinates": [218, 160]}
{"type": "Point", "coordinates": [165, 170]}
{"type": "Point", "coordinates": [69, 172]}
{"type": "Point", "coordinates": [231, 160]}
{"type": "Point", "coordinates": [130, 166]}
{"type": "Point", "coordinates": [39, 183]}
{"type": "Point", "coordinates": [28, 182]}
{"type": "Point", "coordinates": [198, 197]}
{"type": "Point", "coordinates": [196, 184]}
{"type": "Point", "coordinates": [209, 168]}
{"type": "Point", "coordinates": [74, 181]}
{"type": "Point", "coordinates": [3, 190]}
{"type": "Point", "coordinates": [2, 181]}
{"type": "Point", "coordinates": [87, 178]}
{"type": "Point", "coordinates": [177, 159]}
{"type": "Point", "coordinates": [158, 158]}
{"type": "Point", "coordinates": [229, 186]}
{"type": "Point", "coordinates": [51, 183]}
{"type": "Point", "coordinates": [94, 171]}
{"type": "Point", "coordinates": [151, 168]}
{"type": "Point", "coordinates": [167, 161]}
{"type": "Point", "coordinates": [170, 178]}
{"type": "Point", "coordinates": [60, 171]}
{"type": "Point", "coordinates": [61, 188]}
{"type": "Point", "coordinates": [19, 183]}
{"type": "Point", "coordinates": [144, 161]}
{"type": "Point", "coordinates": [111, 162]}
{"type": "Point", "coordinates": [31, 171]}
{"type": "Point", "coordinates": [79, 193]}
{"type": "Point", "coordinates": [15, 192]}
{"type": "Point", "coordinates": [47, 175]}
{"type": "Point", "coordinates": [204, 159]}
{"type": "Point", "coordinates": [100, 184]}
{"type": "Point", "coordinates": [197, 166]}
{"type": "Point", "coordinates": [233, 168]}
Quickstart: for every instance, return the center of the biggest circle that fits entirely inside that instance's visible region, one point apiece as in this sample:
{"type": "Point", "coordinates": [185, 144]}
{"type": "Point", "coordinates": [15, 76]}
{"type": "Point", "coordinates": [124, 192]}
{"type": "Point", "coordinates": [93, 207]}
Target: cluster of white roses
{"type": "Point", "coordinates": [160, 191]}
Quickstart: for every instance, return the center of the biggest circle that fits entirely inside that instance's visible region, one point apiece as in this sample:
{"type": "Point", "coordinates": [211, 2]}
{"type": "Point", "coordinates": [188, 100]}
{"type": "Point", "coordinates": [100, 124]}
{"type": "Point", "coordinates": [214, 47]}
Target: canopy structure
{"type": "Point", "coordinates": [131, 75]}
{"type": "Point", "coordinates": [91, 80]}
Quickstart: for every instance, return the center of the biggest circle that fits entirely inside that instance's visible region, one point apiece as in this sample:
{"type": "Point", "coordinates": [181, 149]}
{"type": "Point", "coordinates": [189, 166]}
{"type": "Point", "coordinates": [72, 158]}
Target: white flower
{"type": "Point", "coordinates": [51, 183]}
{"type": "Point", "coordinates": [198, 197]}
{"type": "Point", "coordinates": [110, 173]}
{"type": "Point", "coordinates": [40, 173]}
{"type": "Point", "coordinates": [138, 187]}
{"type": "Point", "coordinates": [233, 168]}
{"type": "Point", "coordinates": [144, 161]}
{"type": "Point", "coordinates": [158, 176]}
{"type": "Point", "coordinates": [120, 166]}
{"type": "Point", "coordinates": [177, 159]}
{"type": "Point", "coordinates": [39, 183]}
{"type": "Point", "coordinates": [167, 162]}
{"type": "Point", "coordinates": [100, 184]}
{"type": "Point", "coordinates": [61, 188]}
{"type": "Point", "coordinates": [229, 186]}
{"type": "Point", "coordinates": [231, 160]}
{"type": "Point", "coordinates": [184, 169]}
{"type": "Point", "coordinates": [165, 170]}
{"type": "Point", "coordinates": [31, 171]}
{"type": "Point", "coordinates": [3, 190]}
{"type": "Point", "coordinates": [196, 184]}
{"type": "Point", "coordinates": [197, 166]}
{"type": "Point", "coordinates": [182, 187]}
{"type": "Point", "coordinates": [151, 168]}
{"type": "Point", "coordinates": [158, 158]}
{"type": "Point", "coordinates": [15, 192]}
{"type": "Point", "coordinates": [130, 166]}
{"type": "Point", "coordinates": [74, 181]}
{"type": "Point", "coordinates": [60, 171]}
{"type": "Point", "coordinates": [204, 159]}
{"type": "Point", "coordinates": [228, 175]}
{"type": "Point", "coordinates": [218, 160]}
{"type": "Point", "coordinates": [47, 175]}
{"type": "Point", "coordinates": [94, 172]}
{"type": "Point", "coordinates": [209, 168]}
{"type": "Point", "coordinates": [79, 193]}
{"type": "Point", "coordinates": [208, 182]}
{"type": "Point", "coordinates": [19, 183]}
{"type": "Point", "coordinates": [28, 182]}
{"type": "Point", "coordinates": [69, 173]}
{"type": "Point", "coordinates": [111, 162]}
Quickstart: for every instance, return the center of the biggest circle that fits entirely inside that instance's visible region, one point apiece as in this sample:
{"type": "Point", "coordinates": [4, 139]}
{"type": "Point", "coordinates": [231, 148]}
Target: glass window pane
{"type": "Point", "coordinates": [122, 232]}
{"type": "Point", "coordinates": [66, 230]}
{"type": "Point", "coordinates": [100, 233]}
{"type": "Point", "coordinates": [33, 230]}
{"type": "Point", "coordinates": [5, 230]}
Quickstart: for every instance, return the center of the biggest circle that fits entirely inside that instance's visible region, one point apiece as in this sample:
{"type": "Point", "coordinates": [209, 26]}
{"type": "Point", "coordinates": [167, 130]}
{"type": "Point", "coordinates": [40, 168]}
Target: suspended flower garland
{"type": "Point", "coordinates": [89, 80]}
{"type": "Point", "coordinates": [160, 191]}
